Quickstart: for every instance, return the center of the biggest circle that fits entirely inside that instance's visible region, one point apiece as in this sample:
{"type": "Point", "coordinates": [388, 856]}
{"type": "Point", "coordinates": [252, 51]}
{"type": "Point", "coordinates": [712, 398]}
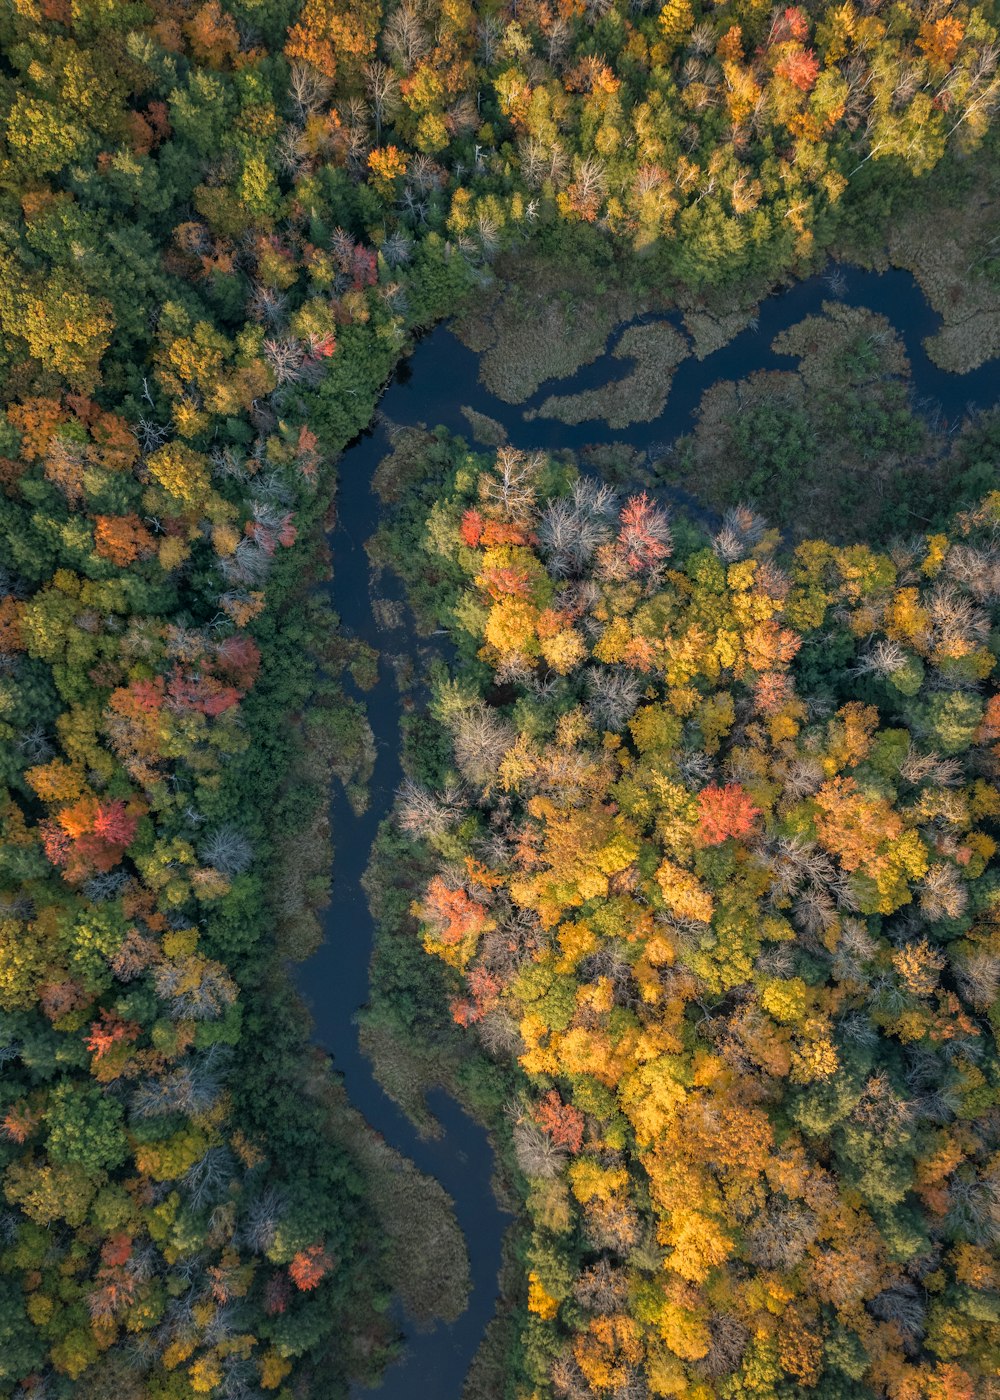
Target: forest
{"type": "Point", "coordinates": [706, 823]}
{"type": "Point", "coordinates": [710, 841]}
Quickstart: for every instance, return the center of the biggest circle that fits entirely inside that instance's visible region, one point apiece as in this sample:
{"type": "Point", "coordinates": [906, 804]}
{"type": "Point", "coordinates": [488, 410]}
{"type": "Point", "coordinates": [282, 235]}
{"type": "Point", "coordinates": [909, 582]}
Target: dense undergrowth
{"type": "Point", "coordinates": [219, 228]}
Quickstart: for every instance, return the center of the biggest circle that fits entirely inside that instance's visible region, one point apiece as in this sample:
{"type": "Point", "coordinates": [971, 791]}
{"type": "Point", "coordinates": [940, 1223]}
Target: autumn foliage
{"type": "Point", "coordinates": [752, 1035]}
{"type": "Point", "coordinates": [730, 943]}
{"type": "Point", "coordinates": [309, 1267]}
{"type": "Point", "coordinates": [724, 812]}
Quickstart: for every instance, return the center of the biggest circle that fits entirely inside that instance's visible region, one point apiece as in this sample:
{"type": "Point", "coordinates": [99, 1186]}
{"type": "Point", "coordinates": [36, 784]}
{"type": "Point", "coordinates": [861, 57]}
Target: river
{"type": "Point", "coordinates": [430, 388]}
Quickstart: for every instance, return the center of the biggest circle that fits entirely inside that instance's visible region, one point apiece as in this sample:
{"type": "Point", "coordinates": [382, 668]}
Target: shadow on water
{"type": "Point", "coordinates": [430, 388]}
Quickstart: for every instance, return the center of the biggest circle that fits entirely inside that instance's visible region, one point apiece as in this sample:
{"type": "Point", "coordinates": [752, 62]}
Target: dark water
{"type": "Point", "coordinates": [335, 980]}
{"type": "Point", "coordinates": [430, 388]}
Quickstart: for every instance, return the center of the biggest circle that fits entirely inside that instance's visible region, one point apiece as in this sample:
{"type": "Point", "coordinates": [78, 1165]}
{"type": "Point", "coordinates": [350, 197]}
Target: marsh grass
{"type": "Point", "coordinates": [486, 431]}
{"type": "Point", "coordinates": [950, 241]}
{"type": "Point", "coordinates": [428, 1261]}
{"type": "Point", "coordinates": [710, 331]}
{"type": "Point", "coordinates": [656, 350]}
{"type": "Point", "coordinates": [405, 1071]}
{"type": "Point", "coordinates": [489, 1374]}
{"type": "Point", "coordinates": [545, 325]}
{"type": "Point", "coordinates": [544, 319]}
{"type": "Point", "coordinates": [846, 346]}
{"type": "Point", "coordinates": [956, 260]}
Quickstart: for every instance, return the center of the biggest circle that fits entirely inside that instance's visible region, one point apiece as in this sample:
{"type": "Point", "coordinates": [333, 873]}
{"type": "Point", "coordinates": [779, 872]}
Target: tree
{"type": "Point", "coordinates": [725, 812]}
{"type": "Point", "coordinates": [562, 1122]}
{"type": "Point", "coordinates": [309, 1267]}
{"type": "Point", "coordinates": [182, 472]}
{"type": "Point", "coordinates": [85, 1128]}
{"type": "Point", "coordinates": [331, 37]}
{"type": "Point", "coordinates": [122, 538]}
{"type": "Point", "coordinates": [644, 540]}
{"type": "Point", "coordinates": [382, 89]}
{"type": "Point", "coordinates": [212, 35]}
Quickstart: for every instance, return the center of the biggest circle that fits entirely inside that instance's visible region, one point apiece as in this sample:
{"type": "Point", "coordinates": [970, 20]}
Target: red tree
{"type": "Point", "coordinates": [644, 537]}
{"type": "Point", "coordinates": [20, 1122]}
{"type": "Point", "coordinates": [238, 660]}
{"type": "Point", "coordinates": [109, 1030]}
{"type": "Point", "coordinates": [113, 823]}
{"type": "Point", "coordinates": [793, 24]}
{"type": "Point", "coordinates": [276, 1295]}
{"type": "Point", "coordinates": [724, 812]}
{"type": "Point", "coordinates": [562, 1122]}
{"type": "Point", "coordinates": [471, 528]}
{"type": "Point", "coordinates": [309, 1267]}
{"type": "Point", "coordinates": [452, 912]}
{"type": "Point", "coordinates": [800, 67]}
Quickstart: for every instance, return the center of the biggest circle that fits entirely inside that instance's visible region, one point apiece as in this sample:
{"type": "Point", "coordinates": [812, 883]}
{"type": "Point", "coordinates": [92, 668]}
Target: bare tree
{"type": "Point", "coordinates": [696, 768]}
{"type": "Point", "coordinates": [902, 1305]}
{"type": "Point", "coordinates": [729, 1340]}
{"type": "Point", "coordinates": [978, 978]}
{"type": "Point", "coordinates": [880, 1109]}
{"type": "Point", "coordinates": [955, 622]}
{"type": "Point", "coordinates": [919, 767]}
{"type": "Point", "coordinates": [614, 695]}
{"type": "Point", "coordinates": [248, 565]}
{"type": "Point", "coordinates": [572, 529]}
{"type": "Point", "coordinates": [741, 531]}
{"type": "Point", "coordinates": [227, 850]}
{"type": "Point", "coordinates": [978, 570]}
{"type": "Point", "coordinates": [426, 813]}
{"type": "Point", "coordinates": [499, 1035]}
{"type": "Point", "coordinates": [568, 1381]}
{"type": "Point", "coordinates": [974, 1206]}
{"type": "Point", "coordinates": [481, 739]}
{"type": "Point", "coordinates": [404, 36]}
{"type": "Point", "coordinates": [589, 182]}
{"type": "Point", "coordinates": [944, 894]}
{"type": "Point", "coordinates": [855, 948]}
{"type": "Point", "coordinates": [382, 88]}
{"type": "Point", "coordinates": [885, 658]}
{"type": "Point", "coordinates": [263, 1216]}
{"type": "Point", "coordinates": [107, 885]}
{"type": "Point", "coordinates": [814, 911]}
{"type": "Point", "coordinates": [286, 358]}
{"type": "Point", "coordinates": [537, 1155]}
{"type": "Point", "coordinates": [193, 1087]}
{"type": "Point", "coordinates": [462, 116]}
{"type": "Point", "coordinates": [803, 776]}
{"type": "Point", "coordinates": [294, 155]}
{"type": "Point", "coordinates": [208, 1180]}
{"type": "Point", "coordinates": [541, 162]}
{"type": "Point", "coordinates": [511, 487]}
{"type": "Point", "coordinates": [309, 89]}
{"type": "Point", "coordinates": [206, 1000]}
{"type": "Point", "coordinates": [357, 119]}
{"type": "Point", "coordinates": [602, 1288]}
{"type": "Point", "coordinates": [397, 248]}
{"type": "Point", "coordinates": [425, 175]}
{"type": "Point", "coordinates": [488, 232]}
{"type": "Point", "coordinates": [35, 745]}
{"type": "Point", "coordinates": [781, 1236]}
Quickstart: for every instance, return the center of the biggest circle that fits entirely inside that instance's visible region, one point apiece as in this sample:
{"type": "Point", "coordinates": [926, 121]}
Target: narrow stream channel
{"type": "Point", "coordinates": [430, 388]}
